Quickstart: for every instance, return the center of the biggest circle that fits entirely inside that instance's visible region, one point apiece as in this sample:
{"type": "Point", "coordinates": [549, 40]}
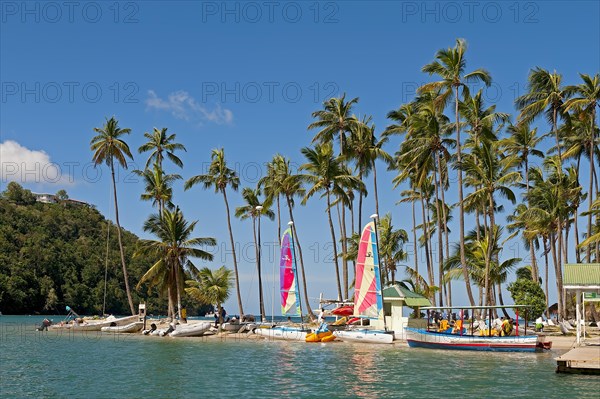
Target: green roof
{"type": "Point", "coordinates": [581, 274]}
{"type": "Point", "coordinates": [410, 298]}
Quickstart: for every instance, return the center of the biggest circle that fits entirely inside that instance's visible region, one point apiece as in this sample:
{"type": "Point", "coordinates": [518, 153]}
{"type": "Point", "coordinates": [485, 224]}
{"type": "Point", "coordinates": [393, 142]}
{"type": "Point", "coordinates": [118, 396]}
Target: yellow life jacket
{"type": "Point", "coordinates": [443, 325]}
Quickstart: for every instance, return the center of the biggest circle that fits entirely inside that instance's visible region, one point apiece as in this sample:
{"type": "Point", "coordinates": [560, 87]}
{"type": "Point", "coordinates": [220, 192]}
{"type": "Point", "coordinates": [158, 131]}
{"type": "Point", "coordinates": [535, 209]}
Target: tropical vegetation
{"type": "Point", "coordinates": [466, 169]}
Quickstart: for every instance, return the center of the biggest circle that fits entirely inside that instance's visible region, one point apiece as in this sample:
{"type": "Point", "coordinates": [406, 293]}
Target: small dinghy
{"type": "Point", "coordinates": [128, 328]}
{"type": "Point", "coordinates": [191, 330]}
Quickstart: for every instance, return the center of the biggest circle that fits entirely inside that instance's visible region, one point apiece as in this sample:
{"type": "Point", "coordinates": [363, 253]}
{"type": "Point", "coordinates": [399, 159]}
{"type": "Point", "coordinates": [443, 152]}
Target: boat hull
{"type": "Point", "coordinates": [365, 335]}
{"type": "Point", "coordinates": [283, 333]}
{"type": "Point", "coordinates": [96, 326]}
{"type": "Point", "coordinates": [129, 328]}
{"type": "Point", "coordinates": [432, 340]}
{"type": "Point", "coordinates": [190, 330]}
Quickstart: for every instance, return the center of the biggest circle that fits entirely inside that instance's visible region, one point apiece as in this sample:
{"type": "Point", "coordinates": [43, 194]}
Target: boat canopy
{"type": "Point", "coordinates": [476, 307]}
{"type": "Point", "coordinates": [398, 292]}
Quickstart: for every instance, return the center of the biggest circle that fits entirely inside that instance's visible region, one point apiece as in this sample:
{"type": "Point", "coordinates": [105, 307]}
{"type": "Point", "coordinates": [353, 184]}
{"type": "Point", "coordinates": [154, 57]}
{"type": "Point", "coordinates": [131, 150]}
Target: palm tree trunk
{"type": "Point", "coordinates": [502, 300]}
{"type": "Point", "coordinates": [261, 302]}
{"type": "Point", "coordinates": [559, 284]}
{"type": "Point", "coordinates": [125, 275]}
{"type": "Point", "coordinates": [430, 266]}
{"type": "Point", "coordinates": [334, 243]}
{"type": "Point", "coordinates": [375, 188]}
{"type": "Point", "coordinates": [278, 218]}
{"type": "Point", "coordinates": [178, 290]}
{"type": "Point", "coordinates": [351, 209]}
{"type": "Point", "coordinates": [360, 203]}
{"type": "Point", "coordinates": [308, 308]}
{"type": "Point", "coordinates": [170, 308]}
{"type": "Point", "coordinates": [463, 259]}
{"type": "Point", "coordinates": [235, 267]}
{"type": "Point", "coordinates": [535, 272]}
{"type": "Point", "coordinates": [415, 246]}
{"type": "Point", "coordinates": [439, 231]}
{"type": "Point", "coordinates": [488, 258]}
{"type": "Point", "coordinates": [546, 250]}
{"type": "Point", "coordinates": [344, 251]}
{"type": "Point", "coordinates": [426, 239]}
{"type": "Point", "coordinates": [555, 260]}
{"type": "Point", "coordinates": [591, 186]}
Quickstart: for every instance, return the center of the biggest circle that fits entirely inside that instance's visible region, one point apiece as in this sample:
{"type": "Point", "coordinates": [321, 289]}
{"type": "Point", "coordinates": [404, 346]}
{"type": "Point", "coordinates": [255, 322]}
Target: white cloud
{"type": "Point", "coordinates": [183, 106]}
{"type": "Point", "coordinates": [22, 165]}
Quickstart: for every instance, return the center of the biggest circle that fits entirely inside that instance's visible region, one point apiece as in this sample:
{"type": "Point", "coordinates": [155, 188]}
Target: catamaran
{"type": "Point", "coordinates": [368, 297]}
{"type": "Point", "coordinates": [290, 293]}
{"type": "Point", "coordinates": [483, 339]}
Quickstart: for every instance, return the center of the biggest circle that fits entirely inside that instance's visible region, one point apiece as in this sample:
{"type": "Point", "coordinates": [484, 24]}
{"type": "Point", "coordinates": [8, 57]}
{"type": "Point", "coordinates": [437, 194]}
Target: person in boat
{"type": "Point", "coordinates": [507, 327]}
{"type": "Point", "coordinates": [321, 316]}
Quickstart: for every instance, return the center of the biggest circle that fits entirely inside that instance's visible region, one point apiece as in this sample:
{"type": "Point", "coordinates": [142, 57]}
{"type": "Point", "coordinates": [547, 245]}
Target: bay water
{"type": "Point", "coordinates": [93, 365]}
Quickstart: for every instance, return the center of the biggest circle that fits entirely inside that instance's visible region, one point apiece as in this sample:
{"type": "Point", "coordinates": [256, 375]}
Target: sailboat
{"type": "Point", "coordinates": [368, 298]}
{"type": "Point", "coordinates": [290, 293]}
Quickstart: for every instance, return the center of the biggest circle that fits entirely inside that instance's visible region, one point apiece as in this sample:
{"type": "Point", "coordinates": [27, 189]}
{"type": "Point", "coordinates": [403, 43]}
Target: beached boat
{"type": "Point", "coordinates": [128, 328]}
{"type": "Point", "coordinates": [191, 330]}
{"type": "Point", "coordinates": [93, 325]}
{"type": "Point", "coordinates": [483, 340]}
{"type": "Point", "coordinates": [368, 299]}
{"type": "Point", "coordinates": [289, 289]}
{"type": "Point", "coordinates": [237, 326]}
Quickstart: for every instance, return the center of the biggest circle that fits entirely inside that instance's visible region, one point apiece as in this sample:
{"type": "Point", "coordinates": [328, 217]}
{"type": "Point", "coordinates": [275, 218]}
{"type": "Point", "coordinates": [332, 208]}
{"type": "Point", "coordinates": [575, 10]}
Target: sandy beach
{"type": "Point", "coordinates": [560, 343]}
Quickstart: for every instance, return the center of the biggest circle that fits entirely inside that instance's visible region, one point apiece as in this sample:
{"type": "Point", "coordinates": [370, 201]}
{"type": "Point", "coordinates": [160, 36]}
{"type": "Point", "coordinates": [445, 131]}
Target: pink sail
{"type": "Point", "coordinates": [287, 276]}
{"type": "Point", "coordinates": [368, 301]}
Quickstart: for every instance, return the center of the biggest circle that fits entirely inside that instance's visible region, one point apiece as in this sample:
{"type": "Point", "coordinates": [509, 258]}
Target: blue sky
{"type": "Point", "coordinates": [246, 76]}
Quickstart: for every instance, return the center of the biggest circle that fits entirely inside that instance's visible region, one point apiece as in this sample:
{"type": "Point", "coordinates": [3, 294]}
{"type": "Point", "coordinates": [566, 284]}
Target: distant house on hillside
{"type": "Point", "coordinates": [46, 198]}
{"type": "Point", "coordinates": [77, 202]}
{"type": "Point", "coordinates": [53, 199]}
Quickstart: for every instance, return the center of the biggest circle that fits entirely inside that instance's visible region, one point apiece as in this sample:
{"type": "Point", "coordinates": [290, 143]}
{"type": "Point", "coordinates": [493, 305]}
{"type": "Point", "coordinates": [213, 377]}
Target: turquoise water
{"type": "Point", "coordinates": [53, 365]}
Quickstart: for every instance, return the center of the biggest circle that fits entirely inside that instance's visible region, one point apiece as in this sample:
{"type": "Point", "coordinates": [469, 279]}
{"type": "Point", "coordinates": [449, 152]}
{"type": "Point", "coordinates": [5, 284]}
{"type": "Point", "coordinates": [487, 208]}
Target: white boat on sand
{"type": "Point", "coordinates": [128, 328]}
{"type": "Point", "coordinates": [93, 325]}
{"type": "Point", "coordinates": [283, 332]}
{"type": "Point", "coordinates": [191, 330]}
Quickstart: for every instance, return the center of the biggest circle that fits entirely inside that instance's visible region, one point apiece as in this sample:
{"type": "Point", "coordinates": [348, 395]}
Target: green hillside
{"type": "Point", "coordinates": [52, 255]}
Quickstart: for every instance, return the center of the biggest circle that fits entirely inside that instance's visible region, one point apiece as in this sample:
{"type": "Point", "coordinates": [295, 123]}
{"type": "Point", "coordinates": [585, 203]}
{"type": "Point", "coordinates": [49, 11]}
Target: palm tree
{"type": "Point", "coordinates": [492, 173]}
{"type": "Point", "coordinates": [108, 146]}
{"type": "Point", "coordinates": [450, 65]}
{"type": "Point", "coordinates": [334, 118]}
{"type": "Point", "coordinates": [390, 247]}
{"type": "Point", "coordinates": [425, 150]}
{"type": "Point", "coordinates": [211, 287]}
{"type": "Point", "coordinates": [548, 211]}
{"type": "Point", "coordinates": [545, 95]}
{"type": "Point", "coordinates": [174, 248]}
{"type": "Point", "coordinates": [364, 149]}
{"type": "Point", "coordinates": [587, 98]}
{"type": "Point", "coordinates": [324, 172]}
{"type": "Point", "coordinates": [290, 187]}
{"type": "Point", "coordinates": [220, 176]}
{"type": "Point", "coordinates": [271, 184]}
{"type": "Point", "coordinates": [254, 209]}
{"type": "Point", "coordinates": [159, 142]}
{"type": "Point", "coordinates": [158, 186]}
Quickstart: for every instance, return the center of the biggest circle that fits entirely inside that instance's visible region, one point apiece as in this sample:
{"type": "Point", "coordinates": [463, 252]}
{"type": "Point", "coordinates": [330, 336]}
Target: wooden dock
{"type": "Point", "coordinates": [580, 360]}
